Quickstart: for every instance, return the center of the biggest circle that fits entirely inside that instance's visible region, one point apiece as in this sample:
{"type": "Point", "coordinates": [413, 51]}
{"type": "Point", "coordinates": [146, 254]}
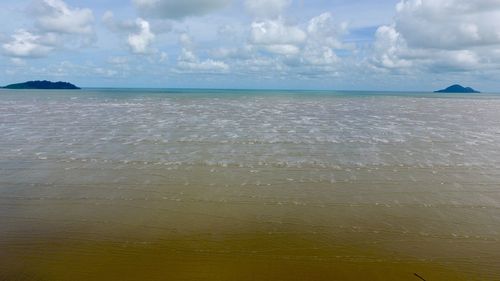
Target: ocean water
{"type": "Point", "coordinates": [124, 184]}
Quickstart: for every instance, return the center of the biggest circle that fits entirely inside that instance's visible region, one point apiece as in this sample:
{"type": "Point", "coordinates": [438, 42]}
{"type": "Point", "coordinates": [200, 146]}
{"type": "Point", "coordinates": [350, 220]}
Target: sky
{"type": "Point", "coordinates": [413, 45]}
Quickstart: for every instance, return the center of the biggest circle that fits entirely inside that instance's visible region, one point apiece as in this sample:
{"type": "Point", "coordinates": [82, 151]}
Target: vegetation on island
{"type": "Point", "coordinates": [457, 89]}
{"type": "Point", "coordinates": [44, 85]}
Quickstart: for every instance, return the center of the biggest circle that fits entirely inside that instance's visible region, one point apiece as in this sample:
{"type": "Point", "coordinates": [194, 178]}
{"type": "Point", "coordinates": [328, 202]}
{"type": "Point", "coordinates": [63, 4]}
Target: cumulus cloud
{"type": "Point", "coordinates": [319, 56]}
{"type": "Point", "coordinates": [277, 37]}
{"type": "Point", "coordinates": [205, 66]}
{"type": "Point", "coordinates": [390, 49]}
{"type": "Point", "coordinates": [57, 16]}
{"type": "Point", "coordinates": [325, 36]}
{"type": "Point", "coordinates": [175, 9]}
{"type": "Point", "coordinates": [139, 42]}
{"type": "Point", "coordinates": [279, 49]}
{"type": "Point", "coordinates": [157, 26]}
{"type": "Point", "coordinates": [56, 26]}
{"type": "Point", "coordinates": [308, 49]}
{"type": "Point", "coordinates": [440, 35]}
{"type": "Point", "coordinates": [324, 29]}
{"type": "Point", "coordinates": [139, 35]}
{"type": "Point", "coordinates": [25, 44]}
{"type": "Point", "coordinates": [189, 62]}
{"type": "Point", "coordinates": [448, 24]}
{"type": "Point", "coordinates": [266, 8]}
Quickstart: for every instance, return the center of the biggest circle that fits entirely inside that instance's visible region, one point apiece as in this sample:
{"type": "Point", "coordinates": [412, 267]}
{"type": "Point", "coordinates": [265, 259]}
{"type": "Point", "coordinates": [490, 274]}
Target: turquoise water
{"type": "Point", "coordinates": [366, 183]}
{"type": "Point", "coordinates": [254, 92]}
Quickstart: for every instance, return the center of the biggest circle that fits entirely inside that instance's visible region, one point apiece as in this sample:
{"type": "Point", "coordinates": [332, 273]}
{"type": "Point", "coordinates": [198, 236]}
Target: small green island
{"type": "Point", "coordinates": [457, 89]}
{"type": "Point", "coordinates": [42, 85]}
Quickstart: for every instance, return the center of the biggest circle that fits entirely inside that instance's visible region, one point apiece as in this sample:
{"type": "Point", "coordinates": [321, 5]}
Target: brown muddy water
{"type": "Point", "coordinates": [135, 185]}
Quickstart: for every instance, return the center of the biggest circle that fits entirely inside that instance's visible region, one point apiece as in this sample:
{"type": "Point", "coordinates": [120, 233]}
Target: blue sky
{"type": "Point", "coordinates": [292, 44]}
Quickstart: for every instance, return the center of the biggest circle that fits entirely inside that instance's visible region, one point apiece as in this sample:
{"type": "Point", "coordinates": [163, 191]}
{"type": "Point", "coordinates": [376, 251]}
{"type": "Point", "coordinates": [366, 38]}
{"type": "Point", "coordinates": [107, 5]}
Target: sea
{"type": "Point", "coordinates": [170, 184]}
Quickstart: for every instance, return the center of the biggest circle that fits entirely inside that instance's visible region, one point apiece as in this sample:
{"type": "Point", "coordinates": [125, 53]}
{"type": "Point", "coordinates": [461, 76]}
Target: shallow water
{"type": "Point", "coordinates": [248, 185]}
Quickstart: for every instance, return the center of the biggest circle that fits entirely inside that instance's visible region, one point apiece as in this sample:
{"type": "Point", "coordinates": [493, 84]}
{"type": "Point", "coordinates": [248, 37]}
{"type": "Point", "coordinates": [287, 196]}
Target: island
{"type": "Point", "coordinates": [457, 89]}
{"type": "Point", "coordinates": [43, 85]}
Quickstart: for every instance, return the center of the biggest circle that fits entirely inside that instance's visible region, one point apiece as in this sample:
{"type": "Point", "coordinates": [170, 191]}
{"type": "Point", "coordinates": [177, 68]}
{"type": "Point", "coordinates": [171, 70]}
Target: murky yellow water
{"type": "Point", "coordinates": [231, 257]}
{"type": "Point", "coordinates": [142, 222]}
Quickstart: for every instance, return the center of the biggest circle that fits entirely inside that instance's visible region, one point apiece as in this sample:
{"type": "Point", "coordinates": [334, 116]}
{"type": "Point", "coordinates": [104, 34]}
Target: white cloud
{"type": "Point", "coordinates": [277, 49]}
{"type": "Point", "coordinates": [25, 44]}
{"type": "Point", "coordinates": [188, 61]}
{"type": "Point", "coordinates": [175, 9]}
{"type": "Point", "coordinates": [127, 26]}
{"type": "Point", "coordinates": [105, 72]}
{"type": "Point", "coordinates": [56, 26]}
{"type": "Point", "coordinates": [306, 50]}
{"type": "Point", "coordinates": [139, 42]}
{"type": "Point", "coordinates": [138, 34]}
{"type": "Point", "coordinates": [272, 32]}
{"type": "Point", "coordinates": [319, 56]}
{"type": "Point", "coordinates": [277, 37]}
{"type": "Point", "coordinates": [325, 36]}
{"type": "Point", "coordinates": [323, 28]}
{"type": "Point", "coordinates": [205, 66]}
{"type": "Point", "coordinates": [57, 16]}
{"type": "Point", "coordinates": [440, 35]}
{"type": "Point", "coordinates": [266, 8]}
{"type": "Point", "coordinates": [187, 56]}
{"type": "Point", "coordinates": [234, 53]}
{"type": "Point", "coordinates": [185, 40]}
{"type": "Point", "coordinates": [389, 49]}
{"type": "Point", "coordinates": [448, 24]}
{"type": "Point", "coordinates": [283, 49]}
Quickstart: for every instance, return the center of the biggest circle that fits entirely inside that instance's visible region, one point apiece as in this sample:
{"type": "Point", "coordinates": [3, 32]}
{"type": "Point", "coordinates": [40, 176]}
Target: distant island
{"type": "Point", "coordinates": [43, 85]}
{"type": "Point", "coordinates": [457, 89]}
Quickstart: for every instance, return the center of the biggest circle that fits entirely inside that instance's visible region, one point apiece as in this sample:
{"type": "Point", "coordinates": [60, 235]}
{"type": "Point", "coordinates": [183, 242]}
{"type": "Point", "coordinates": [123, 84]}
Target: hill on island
{"type": "Point", "coordinates": [43, 85]}
{"type": "Point", "coordinates": [457, 89]}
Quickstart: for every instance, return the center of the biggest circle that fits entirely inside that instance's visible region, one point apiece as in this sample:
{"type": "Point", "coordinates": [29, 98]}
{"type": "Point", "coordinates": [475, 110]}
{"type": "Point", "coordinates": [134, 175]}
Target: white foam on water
{"type": "Point", "coordinates": [271, 130]}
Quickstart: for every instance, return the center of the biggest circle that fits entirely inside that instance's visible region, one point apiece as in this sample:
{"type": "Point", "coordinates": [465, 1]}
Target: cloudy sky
{"type": "Point", "coordinates": [290, 44]}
